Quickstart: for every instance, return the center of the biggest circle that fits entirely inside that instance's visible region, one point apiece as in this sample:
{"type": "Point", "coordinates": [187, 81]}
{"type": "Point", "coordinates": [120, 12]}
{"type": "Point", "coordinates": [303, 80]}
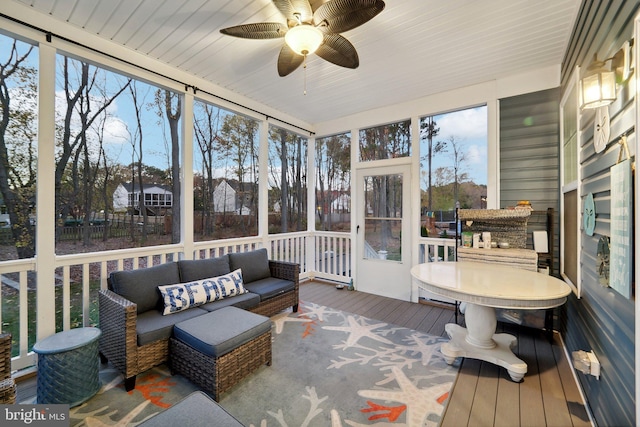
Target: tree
{"type": "Point", "coordinates": [238, 136]}
{"type": "Point", "coordinates": [18, 142]}
{"type": "Point", "coordinates": [206, 125]}
{"type": "Point", "coordinates": [428, 131]}
{"type": "Point", "coordinates": [87, 95]}
{"type": "Point", "coordinates": [169, 105]}
{"type": "Point", "coordinates": [333, 166]}
{"type": "Point", "coordinates": [137, 147]}
{"type": "Point", "coordinates": [173, 108]}
{"type": "Point", "coordinates": [287, 168]}
{"type": "Point", "coordinates": [456, 150]}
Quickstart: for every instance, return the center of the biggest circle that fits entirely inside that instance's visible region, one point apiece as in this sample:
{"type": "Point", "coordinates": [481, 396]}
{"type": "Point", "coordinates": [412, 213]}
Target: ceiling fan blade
{"type": "Point", "coordinates": [261, 30]}
{"type": "Point", "coordinates": [289, 8]}
{"type": "Point", "coordinates": [343, 15]}
{"type": "Point", "coordinates": [338, 50]}
{"type": "Point", "coordinates": [288, 61]}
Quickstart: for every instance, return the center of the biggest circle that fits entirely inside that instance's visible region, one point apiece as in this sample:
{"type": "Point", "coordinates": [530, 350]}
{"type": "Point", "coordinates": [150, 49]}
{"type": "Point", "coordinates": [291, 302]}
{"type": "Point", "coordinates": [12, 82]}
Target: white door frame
{"type": "Point", "coordinates": [383, 276]}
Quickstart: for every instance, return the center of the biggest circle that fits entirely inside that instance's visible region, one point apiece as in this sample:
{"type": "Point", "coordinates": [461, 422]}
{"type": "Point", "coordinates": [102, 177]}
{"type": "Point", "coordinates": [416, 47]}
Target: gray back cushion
{"type": "Point", "coordinates": [254, 264]}
{"type": "Point", "coordinates": [141, 286]}
{"type": "Point", "coordinates": [198, 269]}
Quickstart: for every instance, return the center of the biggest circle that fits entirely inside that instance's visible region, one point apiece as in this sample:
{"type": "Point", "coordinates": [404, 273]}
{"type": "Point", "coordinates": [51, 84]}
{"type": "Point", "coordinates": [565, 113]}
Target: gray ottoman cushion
{"type": "Point", "coordinates": [195, 410]}
{"type": "Point", "coordinates": [254, 264]}
{"type": "Point", "coordinates": [217, 333]}
{"type": "Point", "coordinates": [198, 269]}
{"type": "Point", "coordinates": [270, 287]}
{"type": "Point", "coordinates": [246, 301]}
{"type": "Point", "coordinates": [153, 326]}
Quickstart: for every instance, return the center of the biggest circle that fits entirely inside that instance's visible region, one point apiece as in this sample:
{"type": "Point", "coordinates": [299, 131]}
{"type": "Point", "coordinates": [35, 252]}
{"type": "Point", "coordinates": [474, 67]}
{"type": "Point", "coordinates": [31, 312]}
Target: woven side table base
{"type": "Point", "coordinates": [7, 391]}
{"type": "Point", "coordinates": [68, 375]}
{"type": "Point", "coordinates": [215, 375]}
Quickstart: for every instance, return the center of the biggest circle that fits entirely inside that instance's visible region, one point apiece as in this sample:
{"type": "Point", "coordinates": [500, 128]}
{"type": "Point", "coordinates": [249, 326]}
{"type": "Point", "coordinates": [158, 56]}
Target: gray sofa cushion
{"type": "Point", "coordinates": [198, 269]}
{"type": "Point", "coordinates": [152, 326]}
{"type": "Point", "coordinates": [195, 410]}
{"type": "Point", "coordinates": [246, 301]}
{"type": "Point", "coordinates": [270, 287]}
{"type": "Point", "coordinates": [221, 331]}
{"type": "Point", "coordinates": [254, 264]}
{"type": "Point", "coordinates": [140, 286]}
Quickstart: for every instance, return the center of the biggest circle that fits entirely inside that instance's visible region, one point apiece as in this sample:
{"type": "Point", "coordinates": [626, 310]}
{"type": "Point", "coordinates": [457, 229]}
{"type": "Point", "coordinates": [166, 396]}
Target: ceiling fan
{"type": "Point", "coordinates": [312, 26]}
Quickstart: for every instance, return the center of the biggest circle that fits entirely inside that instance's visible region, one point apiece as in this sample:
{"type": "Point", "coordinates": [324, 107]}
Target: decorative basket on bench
{"type": "Point", "coordinates": [505, 225]}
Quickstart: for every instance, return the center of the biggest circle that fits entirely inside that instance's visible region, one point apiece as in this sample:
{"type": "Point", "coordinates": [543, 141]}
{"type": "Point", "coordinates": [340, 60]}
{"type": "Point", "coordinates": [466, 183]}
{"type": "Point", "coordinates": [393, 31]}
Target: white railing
{"type": "Point", "coordinates": [291, 247]}
{"type": "Point", "coordinates": [323, 255]}
{"type": "Point", "coordinates": [436, 249]}
{"type": "Point", "coordinates": [216, 248]}
{"type": "Point", "coordinates": [19, 277]}
{"type": "Point", "coordinates": [332, 258]}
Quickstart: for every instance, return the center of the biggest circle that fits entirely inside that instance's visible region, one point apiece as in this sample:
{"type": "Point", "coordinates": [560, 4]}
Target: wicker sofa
{"type": "Point", "coordinates": [135, 333]}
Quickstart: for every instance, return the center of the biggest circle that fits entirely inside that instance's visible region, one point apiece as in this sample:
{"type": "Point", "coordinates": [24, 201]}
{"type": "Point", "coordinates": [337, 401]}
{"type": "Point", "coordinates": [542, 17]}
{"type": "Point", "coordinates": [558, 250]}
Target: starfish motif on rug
{"type": "Point", "coordinates": [357, 330]}
{"type": "Point", "coordinates": [428, 348]}
{"type": "Point", "coordinates": [420, 402]}
{"type": "Point", "coordinates": [280, 319]}
{"type": "Point", "coordinates": [318, 311]}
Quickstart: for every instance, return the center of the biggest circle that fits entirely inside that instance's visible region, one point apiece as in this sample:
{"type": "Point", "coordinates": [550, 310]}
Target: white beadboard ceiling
{"type": "Point", "coordinates": [412, 49]}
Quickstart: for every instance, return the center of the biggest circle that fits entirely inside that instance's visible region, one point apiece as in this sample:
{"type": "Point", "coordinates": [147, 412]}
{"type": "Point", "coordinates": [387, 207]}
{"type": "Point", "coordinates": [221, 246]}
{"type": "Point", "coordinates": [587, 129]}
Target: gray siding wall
{"type": "Point", "coordinates": [602, 320]}
{"type": "Point", "coordinates": [530, 156]}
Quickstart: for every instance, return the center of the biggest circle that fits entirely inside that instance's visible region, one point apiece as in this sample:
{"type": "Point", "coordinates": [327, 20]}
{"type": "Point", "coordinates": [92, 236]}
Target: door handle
{"type": "Point", "coordinates": [357, 229]}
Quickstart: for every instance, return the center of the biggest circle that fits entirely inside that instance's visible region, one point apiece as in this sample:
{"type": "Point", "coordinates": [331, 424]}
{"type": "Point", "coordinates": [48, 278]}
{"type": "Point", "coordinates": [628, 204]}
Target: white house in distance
{"type": "Point", "coordinates": [156, 197]}
{"type": "Point", "coordinates": [231, 196]}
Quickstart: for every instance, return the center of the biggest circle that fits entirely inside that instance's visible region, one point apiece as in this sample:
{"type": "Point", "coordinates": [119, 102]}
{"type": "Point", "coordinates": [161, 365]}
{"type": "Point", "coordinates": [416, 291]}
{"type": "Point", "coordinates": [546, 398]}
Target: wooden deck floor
{"type": "Point", "coordinates": [483, 394]}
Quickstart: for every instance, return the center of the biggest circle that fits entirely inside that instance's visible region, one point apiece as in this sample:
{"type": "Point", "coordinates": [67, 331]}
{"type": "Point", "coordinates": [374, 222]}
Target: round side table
{"type": "Point", "coordinates": [68, 367]}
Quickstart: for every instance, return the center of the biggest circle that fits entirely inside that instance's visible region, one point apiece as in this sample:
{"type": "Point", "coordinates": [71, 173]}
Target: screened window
{"type": "Point", "coordinates": [287, 181]}
{"type": "Point", "coordinates": [117, 144]}
{"type": "Point", "coordinates": [18, 143]}
{"type": "Point", "coordinates": [453, 167]}
{"type": "Point", "coordinates": [386, 142]}
{"type": "Point", "coordinates": [225, 187]}
{"type": "Point", "coordinates": [333, 183]}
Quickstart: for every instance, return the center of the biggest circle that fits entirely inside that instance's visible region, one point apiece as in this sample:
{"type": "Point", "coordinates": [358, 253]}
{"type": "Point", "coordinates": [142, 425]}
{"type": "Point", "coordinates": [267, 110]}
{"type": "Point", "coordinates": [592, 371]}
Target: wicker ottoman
{"type": "Point", "coordinates": [68, 367]}
{"type": "Point", "coordinates": [216, 350]}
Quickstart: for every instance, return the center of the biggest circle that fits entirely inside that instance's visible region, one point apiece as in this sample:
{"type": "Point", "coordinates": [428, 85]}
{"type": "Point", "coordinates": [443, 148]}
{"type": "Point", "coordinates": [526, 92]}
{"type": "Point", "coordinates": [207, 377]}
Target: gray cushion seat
{"type": "Point", "coordinates": [246, 301]}
{"type": "Point", "coordinates": [257, 275]}
{"type": "Point", "coordinates": [141, 286]}
{"type": "Point", "coordinates": [218, 332]}
{"type": "Point", "coordinates": [195, 410]}
{"type": "Point", "coordinates": [153, 326]}
{"type": "Point", "coordinates": [270, 287]}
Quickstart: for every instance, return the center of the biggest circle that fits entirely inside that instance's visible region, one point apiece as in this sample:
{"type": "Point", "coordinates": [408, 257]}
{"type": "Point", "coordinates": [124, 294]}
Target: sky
{"type": "Point", "coordinates": [469, 127]}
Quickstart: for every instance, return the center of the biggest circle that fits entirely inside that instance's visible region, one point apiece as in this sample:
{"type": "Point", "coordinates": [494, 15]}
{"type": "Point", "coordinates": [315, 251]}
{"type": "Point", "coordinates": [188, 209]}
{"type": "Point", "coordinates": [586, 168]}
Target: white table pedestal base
{"type": "Point", "coordinates": [479, 341]}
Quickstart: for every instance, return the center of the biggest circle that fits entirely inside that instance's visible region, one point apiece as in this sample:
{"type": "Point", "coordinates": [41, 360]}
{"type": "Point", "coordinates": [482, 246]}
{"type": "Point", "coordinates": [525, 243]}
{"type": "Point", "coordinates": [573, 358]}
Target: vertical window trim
{"type": "Point", "coordinates": [567, 187]}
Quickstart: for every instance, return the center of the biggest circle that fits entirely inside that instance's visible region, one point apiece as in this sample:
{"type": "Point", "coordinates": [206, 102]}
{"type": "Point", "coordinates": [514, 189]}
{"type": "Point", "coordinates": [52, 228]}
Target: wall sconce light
{"type": "Point", "coordinates": [598, 87]}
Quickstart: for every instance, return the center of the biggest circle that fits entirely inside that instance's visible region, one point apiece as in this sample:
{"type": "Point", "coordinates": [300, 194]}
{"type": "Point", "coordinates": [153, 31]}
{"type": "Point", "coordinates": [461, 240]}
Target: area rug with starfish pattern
{"type": "Point", "coordinates": [329, 368]}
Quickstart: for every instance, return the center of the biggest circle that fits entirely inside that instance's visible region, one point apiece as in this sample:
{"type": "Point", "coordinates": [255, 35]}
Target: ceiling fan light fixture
{"type": "Point", "coordinates": [304, 39]}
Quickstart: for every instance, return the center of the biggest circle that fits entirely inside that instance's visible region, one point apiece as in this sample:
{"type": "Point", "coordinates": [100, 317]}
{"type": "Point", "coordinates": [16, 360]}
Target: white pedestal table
{"type": "Point", "coordinates": [485, 287]}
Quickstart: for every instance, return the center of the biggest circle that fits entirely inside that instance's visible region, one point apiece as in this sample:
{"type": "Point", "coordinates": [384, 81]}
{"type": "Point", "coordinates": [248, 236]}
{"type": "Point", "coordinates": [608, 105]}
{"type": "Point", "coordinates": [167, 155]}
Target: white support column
{"type": "Point", "coordinates": [415, 196]}
{"type": "Point", "coordinates": [45, 196]}
{"type": "Point", "coordinates": [310, 255]}
{"type": "Point", "coordinates": [354, 208]}
{"type": "Point", "coordinates": [493, 153]}
{"type": "Point", "coordinates": [186, 200]}
{"type": "Point", "coordinates": [263, 182]}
